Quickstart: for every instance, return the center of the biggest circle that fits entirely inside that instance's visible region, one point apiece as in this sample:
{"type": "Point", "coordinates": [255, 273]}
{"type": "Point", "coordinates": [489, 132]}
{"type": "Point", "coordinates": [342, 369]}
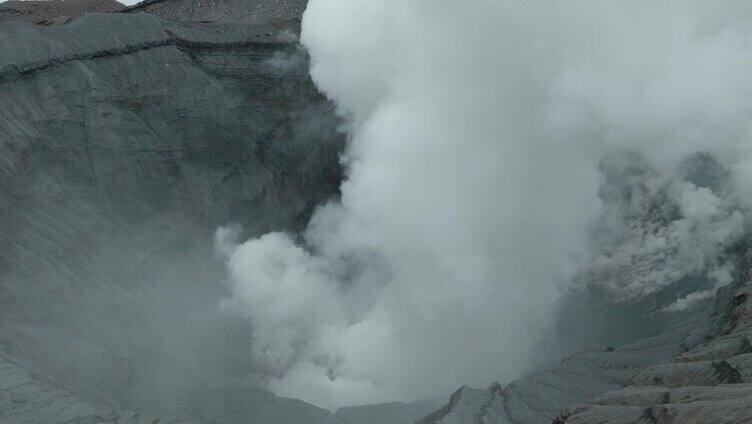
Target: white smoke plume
{"type": "Point", "coordinates": [481, 138]}
{"type": "Point", "coordinates": [656, 227]}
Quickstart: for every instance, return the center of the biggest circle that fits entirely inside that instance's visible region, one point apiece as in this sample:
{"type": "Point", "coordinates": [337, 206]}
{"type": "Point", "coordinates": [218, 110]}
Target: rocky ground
{"type": "Point", "coordinates": [254, 12]}
{"type": "Point", "coordinates": [44, 12]}
{"type": "Point", "coordinates": [698, 372]}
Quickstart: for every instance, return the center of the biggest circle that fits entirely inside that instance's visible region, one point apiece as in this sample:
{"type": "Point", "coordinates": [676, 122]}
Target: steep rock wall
{"type": "Point", "coordinates": [125, 141]}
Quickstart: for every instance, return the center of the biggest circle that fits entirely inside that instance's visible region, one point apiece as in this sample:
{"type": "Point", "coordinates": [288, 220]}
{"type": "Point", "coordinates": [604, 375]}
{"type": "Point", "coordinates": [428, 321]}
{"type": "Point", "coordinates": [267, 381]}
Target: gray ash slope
{"type": "Point", "coordinates": [126, 140]}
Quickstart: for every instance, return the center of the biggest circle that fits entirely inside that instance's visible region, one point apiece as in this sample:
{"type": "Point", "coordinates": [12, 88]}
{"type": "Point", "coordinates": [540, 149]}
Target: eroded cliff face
{"type": "Point", "coordinates": [125, 141]}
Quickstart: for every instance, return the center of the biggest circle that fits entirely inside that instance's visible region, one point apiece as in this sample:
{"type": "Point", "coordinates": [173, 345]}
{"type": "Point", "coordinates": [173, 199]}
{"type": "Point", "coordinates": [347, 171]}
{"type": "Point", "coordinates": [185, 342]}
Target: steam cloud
{"type": "Point", "coordinates": [498, 149]}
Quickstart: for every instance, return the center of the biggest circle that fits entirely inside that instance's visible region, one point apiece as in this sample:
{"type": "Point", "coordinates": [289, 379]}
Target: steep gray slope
{"type": "Point", "coordinates": [125, 141]}
{"type": "Point", "coordinates": [25, 397]}
{"type": "Point", "coordinates": [697, 372]}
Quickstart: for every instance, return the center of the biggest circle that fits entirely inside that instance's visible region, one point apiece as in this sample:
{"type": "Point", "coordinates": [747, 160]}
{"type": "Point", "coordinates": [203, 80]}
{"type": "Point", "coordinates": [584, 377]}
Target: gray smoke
{"type": "Point", "coordinates": [497, 150]}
